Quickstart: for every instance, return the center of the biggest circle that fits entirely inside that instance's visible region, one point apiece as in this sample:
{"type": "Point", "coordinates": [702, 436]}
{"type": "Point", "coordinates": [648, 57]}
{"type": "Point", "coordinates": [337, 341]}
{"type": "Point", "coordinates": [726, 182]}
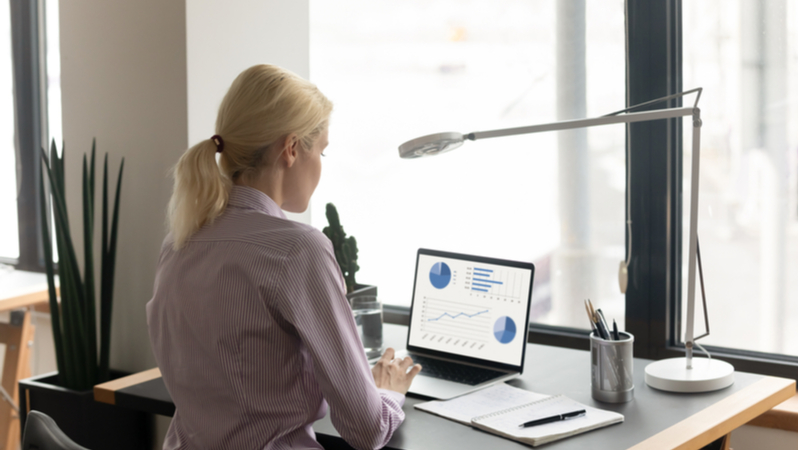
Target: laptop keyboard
{"type": "Point", "coordinates": [460, 373]}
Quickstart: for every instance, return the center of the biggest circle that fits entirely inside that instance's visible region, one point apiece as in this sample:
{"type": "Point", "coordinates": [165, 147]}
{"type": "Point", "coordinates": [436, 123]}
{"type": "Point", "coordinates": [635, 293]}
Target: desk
{"type": "Point", "coordinates": [18, 291]}
{"type": "Point", "coordinates": [653, 420]}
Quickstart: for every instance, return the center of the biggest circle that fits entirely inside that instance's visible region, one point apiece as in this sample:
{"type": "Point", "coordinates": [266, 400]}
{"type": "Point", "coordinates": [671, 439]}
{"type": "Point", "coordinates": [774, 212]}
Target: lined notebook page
{"type": "Point", "coordinates": [508, 422]}
{"type": "Point", "coordinates": [491, 399]}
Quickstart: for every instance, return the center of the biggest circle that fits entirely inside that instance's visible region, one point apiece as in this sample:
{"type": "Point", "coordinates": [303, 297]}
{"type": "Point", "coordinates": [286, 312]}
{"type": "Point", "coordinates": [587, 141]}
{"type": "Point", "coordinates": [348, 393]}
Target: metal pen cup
{"type": "Point", "coordinates": [612, 368]}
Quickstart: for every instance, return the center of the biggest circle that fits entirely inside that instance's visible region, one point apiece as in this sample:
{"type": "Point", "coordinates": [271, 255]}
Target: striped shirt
{"type": "Point", "coordinates": [254, 337]}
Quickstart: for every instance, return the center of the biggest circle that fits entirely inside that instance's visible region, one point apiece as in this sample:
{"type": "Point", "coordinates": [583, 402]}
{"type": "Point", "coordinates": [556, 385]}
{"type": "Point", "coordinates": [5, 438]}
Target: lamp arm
{"type": "Point", "coordinates": [689, 336]}
{"type": "Point", "coordinates": [667, 113]}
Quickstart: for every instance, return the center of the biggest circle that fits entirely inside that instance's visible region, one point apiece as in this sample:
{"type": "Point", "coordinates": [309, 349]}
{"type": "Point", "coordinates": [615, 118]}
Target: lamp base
{"type": "Point", "coordinates": [672, 375]}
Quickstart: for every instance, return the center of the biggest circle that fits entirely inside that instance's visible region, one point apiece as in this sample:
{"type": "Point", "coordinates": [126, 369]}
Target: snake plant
{"type": "Point", "coordinates": [74, 320]}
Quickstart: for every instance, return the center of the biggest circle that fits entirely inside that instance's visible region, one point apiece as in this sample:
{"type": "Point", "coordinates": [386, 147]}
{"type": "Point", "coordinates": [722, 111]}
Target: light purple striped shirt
{"type": "Point", "coordinates": [252, 332]}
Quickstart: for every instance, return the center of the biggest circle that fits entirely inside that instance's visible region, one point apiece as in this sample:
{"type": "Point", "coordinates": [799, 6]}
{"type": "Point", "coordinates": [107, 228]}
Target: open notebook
{"type": "Point", "coordinates": [500, 409]}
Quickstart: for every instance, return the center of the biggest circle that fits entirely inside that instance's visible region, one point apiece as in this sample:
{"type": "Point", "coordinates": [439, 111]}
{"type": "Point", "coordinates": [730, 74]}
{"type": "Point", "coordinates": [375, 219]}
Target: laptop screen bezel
{"type": "Point", "coordinates": [468, 359]}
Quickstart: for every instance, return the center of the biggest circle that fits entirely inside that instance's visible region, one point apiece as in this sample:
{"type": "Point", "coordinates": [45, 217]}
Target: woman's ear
{"type": "Point", "coordinates": [290, 149]}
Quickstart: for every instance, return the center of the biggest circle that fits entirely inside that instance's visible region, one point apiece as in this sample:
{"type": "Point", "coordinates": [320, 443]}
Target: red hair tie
{"type": "Point", "coordinates": [220, 143]}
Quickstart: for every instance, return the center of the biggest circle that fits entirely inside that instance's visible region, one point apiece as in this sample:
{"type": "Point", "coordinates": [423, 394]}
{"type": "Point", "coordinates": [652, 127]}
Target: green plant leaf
{"type": "Point", "coordinates": [87, 303]}
{"type": "Point", "coordinates": [109, 265]}
{"type": "Point", "coordinates": [47, 247]}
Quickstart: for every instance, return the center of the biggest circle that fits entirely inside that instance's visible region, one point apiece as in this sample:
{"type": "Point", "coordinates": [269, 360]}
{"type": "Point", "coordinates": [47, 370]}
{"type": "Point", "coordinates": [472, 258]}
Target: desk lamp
{"type": "Point", "coordinates": [673, 374]}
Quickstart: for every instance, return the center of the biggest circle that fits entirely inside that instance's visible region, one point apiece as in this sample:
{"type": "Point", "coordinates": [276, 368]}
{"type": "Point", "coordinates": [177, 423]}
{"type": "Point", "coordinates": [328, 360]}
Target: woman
{"type": "Point", "coordinates": [249, 322]}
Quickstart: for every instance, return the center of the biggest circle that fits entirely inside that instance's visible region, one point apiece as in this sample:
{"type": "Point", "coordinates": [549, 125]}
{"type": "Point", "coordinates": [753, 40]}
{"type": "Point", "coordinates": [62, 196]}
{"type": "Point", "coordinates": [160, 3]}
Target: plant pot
{"type": "Point", "coordinates": [91, 424]}
{"type": "Point", "coordinates": [362, 289]}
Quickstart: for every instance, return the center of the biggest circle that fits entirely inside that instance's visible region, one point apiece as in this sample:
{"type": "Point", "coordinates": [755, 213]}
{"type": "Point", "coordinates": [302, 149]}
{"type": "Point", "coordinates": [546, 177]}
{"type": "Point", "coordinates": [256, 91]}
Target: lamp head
{"type": "Point", "coordinates": [430, 145]}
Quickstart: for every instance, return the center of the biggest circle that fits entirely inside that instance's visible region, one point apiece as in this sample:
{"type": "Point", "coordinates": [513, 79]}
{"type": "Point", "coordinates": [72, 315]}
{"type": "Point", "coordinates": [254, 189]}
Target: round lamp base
{"type": "Point", "coordinates": [672, 375]}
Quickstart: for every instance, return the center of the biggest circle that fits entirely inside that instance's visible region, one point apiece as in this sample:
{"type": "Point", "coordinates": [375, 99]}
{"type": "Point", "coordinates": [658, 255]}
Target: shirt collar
{"type": "Point", "coordinates": [248, 198]}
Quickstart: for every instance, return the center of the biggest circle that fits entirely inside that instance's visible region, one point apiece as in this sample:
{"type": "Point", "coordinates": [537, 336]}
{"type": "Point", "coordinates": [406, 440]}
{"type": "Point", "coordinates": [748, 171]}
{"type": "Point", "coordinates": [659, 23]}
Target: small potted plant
{"type": "Point", "coordinates": [346, 250]}
{"type": "Point", "coordinates": [82, 353]}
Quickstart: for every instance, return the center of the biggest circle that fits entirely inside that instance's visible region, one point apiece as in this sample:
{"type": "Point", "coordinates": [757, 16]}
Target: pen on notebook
{"type": "Point", "coordinates": [555, 418]}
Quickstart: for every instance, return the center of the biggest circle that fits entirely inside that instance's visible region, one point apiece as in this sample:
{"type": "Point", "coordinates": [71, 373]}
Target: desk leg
{"type": "Point", "coordinates": [17, 336]}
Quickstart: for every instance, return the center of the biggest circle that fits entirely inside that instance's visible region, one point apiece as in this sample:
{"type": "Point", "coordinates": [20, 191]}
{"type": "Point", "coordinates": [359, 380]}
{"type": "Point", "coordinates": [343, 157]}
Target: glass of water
{"type": "Point", "coordinates": [368, 313]}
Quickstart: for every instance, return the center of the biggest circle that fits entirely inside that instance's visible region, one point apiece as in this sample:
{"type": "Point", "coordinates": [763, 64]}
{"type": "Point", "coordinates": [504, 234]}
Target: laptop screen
{"type": "Point", "coordinates": [471, 306]}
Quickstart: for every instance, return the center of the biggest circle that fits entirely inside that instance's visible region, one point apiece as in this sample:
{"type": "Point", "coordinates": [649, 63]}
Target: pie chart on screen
{"type": "Point", "coordinates": [505, 329]}
{"type": "Point", "coordinates": [440, 275]}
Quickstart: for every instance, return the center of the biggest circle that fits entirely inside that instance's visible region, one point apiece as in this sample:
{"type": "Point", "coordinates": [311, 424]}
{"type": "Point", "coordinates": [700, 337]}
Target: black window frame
{"type": "Point", "coordinates": [30, 124]}
{"type": "Point", "coordinates": [652, 302]}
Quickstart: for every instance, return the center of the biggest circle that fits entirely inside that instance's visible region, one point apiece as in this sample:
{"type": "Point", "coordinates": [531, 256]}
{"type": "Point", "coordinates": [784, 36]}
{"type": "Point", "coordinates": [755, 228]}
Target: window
{"type": "Point", "coordinates": [396, 72]}
{"type": "Point", "coordinates": [9, 227]}
{"type": "Point", "coordinates": [21, 104]}
{"type": "Point", "coordinates": [748, 196]}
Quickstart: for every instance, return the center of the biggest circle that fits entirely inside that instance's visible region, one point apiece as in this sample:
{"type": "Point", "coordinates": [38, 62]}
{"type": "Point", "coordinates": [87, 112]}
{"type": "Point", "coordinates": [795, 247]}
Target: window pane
{"type": "Point", "coordinates": [54, 130]}
{"type": "Point", "coordinates": [747, 65]}
{"type": "Point", "coordinates": [396, 72]}
{"type": "Point", "coordinates": [9, 225]}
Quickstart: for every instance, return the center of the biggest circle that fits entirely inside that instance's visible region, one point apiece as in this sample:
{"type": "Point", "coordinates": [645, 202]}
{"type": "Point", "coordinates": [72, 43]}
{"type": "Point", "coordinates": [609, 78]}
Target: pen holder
{"type": "Point", "coordinates": [612, 368]}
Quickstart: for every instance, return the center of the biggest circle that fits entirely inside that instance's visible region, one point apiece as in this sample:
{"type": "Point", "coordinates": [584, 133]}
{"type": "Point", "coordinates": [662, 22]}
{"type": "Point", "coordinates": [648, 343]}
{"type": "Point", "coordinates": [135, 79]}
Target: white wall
{"type": "Point", "coordinates": [146, 78]}
{"type": "Point", "coordinates": [223, 38]}
{"type": "Point", "coordinates": [123, 67]}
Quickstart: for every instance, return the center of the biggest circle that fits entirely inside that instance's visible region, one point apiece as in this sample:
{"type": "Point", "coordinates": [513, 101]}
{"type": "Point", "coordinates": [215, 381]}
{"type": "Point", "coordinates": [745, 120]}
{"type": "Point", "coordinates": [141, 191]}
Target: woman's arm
{"type": "Point", "coordinates": [312, 298]}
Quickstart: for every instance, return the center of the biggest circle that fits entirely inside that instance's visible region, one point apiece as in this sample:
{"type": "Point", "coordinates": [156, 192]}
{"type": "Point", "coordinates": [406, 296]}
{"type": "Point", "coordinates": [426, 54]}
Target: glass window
{"type": "Point", "coordinates": [9, 226]}
{"type": "Point", "coordinates": [747, 65]}
{"type": "Point", "coordinates": [54, 126]}
{"type": "Point", "coordinates": [397, 72]}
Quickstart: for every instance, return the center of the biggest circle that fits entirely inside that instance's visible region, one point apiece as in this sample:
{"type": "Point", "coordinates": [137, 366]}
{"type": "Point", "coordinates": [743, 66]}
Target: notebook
{"type": "Point", "coordinates": [469, 317]}
{"type": "Point", "coordinates": [500, 409]}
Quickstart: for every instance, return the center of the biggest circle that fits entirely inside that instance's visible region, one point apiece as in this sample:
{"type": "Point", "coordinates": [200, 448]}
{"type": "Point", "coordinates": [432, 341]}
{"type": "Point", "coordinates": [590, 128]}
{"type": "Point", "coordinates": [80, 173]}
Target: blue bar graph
{"type": "Point", "coordinates": [480, 274]}
{"type": "Point", "coordinates": [481, 285]}
{"type": "Point", "coordinates": [479, 289]}
{"type": "Point", "coordinates": [478, 269]}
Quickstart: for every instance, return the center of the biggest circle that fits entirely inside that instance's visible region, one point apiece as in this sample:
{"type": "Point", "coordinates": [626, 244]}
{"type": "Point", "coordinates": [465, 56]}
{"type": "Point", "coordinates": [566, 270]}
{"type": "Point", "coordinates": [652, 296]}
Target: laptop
{"type": "Point", "coordinates": [469, 317]}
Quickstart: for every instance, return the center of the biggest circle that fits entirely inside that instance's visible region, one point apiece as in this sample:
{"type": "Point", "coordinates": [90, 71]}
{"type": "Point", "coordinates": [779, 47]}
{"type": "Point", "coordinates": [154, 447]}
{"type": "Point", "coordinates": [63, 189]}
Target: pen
{"type": "Point", "coordinates": [601, 325]}
{"type": "Point", "coordinates": [555, 418]}
{"type": "Point", "coordinates": [591, 319]}
{"type": "Point", "coordinates": [616, 330]}
{"type": "Point", "coordinates": [602, 333]}
{"type": "Point", "coordinates": [602, 318]}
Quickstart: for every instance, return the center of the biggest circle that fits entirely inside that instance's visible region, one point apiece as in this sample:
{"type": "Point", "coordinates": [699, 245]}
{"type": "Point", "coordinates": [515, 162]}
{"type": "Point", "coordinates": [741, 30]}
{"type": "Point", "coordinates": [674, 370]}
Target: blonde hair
{"type": "Point", "coordinates": [262, 107]}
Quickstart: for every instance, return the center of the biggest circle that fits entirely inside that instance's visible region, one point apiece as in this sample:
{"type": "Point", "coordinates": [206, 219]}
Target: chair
{"type": "Point", "coordinates": [42, 433]}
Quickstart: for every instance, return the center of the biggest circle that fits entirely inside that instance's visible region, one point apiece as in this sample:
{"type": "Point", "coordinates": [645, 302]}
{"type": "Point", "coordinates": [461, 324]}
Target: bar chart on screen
{"type": "Point", "coordinates": [494, 284]}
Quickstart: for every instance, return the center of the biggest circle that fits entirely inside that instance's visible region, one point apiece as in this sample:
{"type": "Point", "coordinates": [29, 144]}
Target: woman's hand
{"type": "Point", "coordinates": [393, 374]}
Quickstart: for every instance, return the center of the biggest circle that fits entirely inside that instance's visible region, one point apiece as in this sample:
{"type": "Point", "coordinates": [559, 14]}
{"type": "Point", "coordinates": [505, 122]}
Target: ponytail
{"type": "Point", "coordinates": [263, 105]}
{"type": "Point", "coordinates": [200, 193]}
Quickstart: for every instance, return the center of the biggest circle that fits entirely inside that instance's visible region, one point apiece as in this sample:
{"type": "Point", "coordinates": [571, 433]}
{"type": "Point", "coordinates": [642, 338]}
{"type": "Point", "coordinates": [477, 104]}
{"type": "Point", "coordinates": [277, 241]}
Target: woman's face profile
{"type": "Point", "coordinates": [304, 175]}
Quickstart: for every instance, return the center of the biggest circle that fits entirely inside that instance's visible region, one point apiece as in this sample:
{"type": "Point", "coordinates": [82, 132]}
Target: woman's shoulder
{"type": "Point", "coordinates": [269, 231]}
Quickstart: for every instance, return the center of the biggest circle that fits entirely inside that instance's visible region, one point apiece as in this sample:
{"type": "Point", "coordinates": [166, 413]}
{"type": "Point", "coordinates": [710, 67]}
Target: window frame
{"type": "Point", "coordinates": [29, 98]}
{"type": "Point", "coordinates": [652, 301]}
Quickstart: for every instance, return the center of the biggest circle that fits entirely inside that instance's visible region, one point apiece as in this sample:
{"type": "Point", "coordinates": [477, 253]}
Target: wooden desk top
{"type": "Point", "coordinates": [653, 420]}
{"type": "Point", "coordinates": [19, 289]}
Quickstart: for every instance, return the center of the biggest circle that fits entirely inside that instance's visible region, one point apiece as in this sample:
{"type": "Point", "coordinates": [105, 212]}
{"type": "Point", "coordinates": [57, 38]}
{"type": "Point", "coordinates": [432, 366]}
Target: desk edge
{"type": "Point", "coordinates": [735, 411]}
{"type": "Point", "coordinates": [106, 392]}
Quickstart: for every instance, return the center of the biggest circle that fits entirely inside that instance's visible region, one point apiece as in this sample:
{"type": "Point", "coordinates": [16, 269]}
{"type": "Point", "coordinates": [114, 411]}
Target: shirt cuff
{"type": "Point", "coordinates": [396, 396]}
